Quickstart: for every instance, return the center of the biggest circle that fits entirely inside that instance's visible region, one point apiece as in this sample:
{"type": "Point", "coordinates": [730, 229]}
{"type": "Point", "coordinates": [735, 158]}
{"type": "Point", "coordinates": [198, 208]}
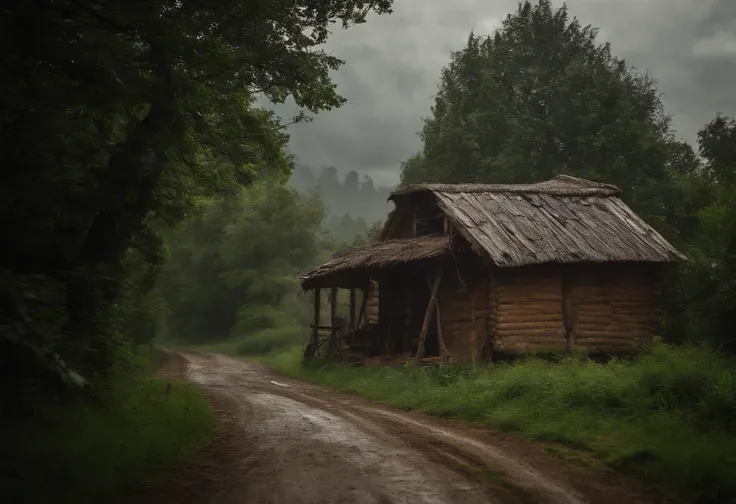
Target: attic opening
{"type": "Point", "coordinates": [428, 220]}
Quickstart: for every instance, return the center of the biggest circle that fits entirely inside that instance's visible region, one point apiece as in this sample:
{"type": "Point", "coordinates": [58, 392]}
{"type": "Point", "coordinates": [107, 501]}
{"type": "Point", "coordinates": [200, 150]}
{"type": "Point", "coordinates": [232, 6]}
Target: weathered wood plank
{"type": "Point", "coordinates": [428, 316]}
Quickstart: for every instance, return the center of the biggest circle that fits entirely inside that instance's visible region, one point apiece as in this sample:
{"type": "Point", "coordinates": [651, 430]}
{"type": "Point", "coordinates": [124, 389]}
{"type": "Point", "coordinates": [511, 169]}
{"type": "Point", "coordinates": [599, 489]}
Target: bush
{"type": "Point", "coordinates": [267, 341]}
{"type": "Point", "coordinates": [82, 453]}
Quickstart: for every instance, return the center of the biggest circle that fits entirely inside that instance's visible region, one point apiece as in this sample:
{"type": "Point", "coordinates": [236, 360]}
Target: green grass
{"type": "Point", "coordinates": [253, 345]}
{"type": "Point", "coordinates": [79, 453]}
{"type": "Point", "coordinates": [668, 416]}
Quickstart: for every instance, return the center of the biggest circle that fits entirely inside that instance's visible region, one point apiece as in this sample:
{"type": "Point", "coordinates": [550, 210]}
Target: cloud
{"type": "Point", "coordinates": [393, 65]}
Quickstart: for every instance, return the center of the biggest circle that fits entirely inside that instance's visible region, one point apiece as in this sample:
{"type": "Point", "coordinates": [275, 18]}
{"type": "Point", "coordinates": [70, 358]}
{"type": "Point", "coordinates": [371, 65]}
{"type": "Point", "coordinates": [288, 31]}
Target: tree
{"type": "Point", "coordinates": [541, 97]}
{"type": "Point", "coordinates": [116, 115]}
{"type": "Point", "coordinates": [706, 288]}
{"type": "Point", "coordinates": [367, 188]}
{"type": "Point", "coordinates": [717, 142]}
{"type": "Point", "coordinates": [234, 269]}
{"type": "Point", "coordinates": [351, 184]}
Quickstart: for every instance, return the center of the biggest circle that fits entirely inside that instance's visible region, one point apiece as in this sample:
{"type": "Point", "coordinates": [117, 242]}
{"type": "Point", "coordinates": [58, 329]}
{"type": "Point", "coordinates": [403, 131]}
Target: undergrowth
{"type": "Point", "coordinates": [668, 416]}
{"type": "Point", "coordinates": [272, 340]}
{"type": "Point", "coordinates": [89, 452]}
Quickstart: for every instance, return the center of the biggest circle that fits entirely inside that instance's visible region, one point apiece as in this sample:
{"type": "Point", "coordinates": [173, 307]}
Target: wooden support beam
{"type": "Point", "coordinates": [440, 338]}
{"type": "Point", "coordinates": [315, 330]}
{"type": "Point", "coordinates": [333, 305]}
{"type": "Point", "coordinates": [569, 311]}
{"type": "Point", "coordinates": [363, 302]}
{"type": "Point", "coordinates": [428, 315]}
{"type": "Point", "coordinates": [333, 320]}
{"type": "Point", "coordinates": [353, 322]}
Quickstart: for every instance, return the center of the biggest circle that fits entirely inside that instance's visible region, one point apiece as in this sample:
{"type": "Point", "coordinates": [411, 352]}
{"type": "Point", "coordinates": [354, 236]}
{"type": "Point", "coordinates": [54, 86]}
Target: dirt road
{"type": "Point", "coordinates": [285, 441]}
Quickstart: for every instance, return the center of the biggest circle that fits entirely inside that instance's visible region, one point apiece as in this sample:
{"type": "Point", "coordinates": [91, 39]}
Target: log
{"type": "Point", "coordinates": [611, 307]}
{"type": "Point", "coordinates": [608, 297]}
{"type": "Point", "coordinates": [511, 340]}
{"type": "Point", "coordinates": [519, 281]}
{"type": "Point", "coordinates": [517, 291]}
{"type": "Point", "coordinates": [529, 298]}
{"type": "Point", "coordinates": [530, 325]}
{"type": "Point", "coordinates": [554, 335]}
{"type": "Point", "coordinates": [610, 343]}
{"type": "Point", "coordinates": [428, 316]}
{"type": "Point", "coordinates": [505, 318]}
{"type": "Point", "coordinates": [613, 341]}
{"type": "Point", "coordinates": [614, 326]}
{"type": "Point", "coordinates": [528, 310]}
{"type": "Point", "coordinates": [612, 335]}
{"type": "Point", "coordinates": [616, 318]}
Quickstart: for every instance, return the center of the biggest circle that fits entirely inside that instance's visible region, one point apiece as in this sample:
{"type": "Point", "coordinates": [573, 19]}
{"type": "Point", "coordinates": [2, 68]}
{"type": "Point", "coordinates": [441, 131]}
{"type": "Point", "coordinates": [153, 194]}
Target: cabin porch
{"type": "Point", "coordinates": [388, 314]}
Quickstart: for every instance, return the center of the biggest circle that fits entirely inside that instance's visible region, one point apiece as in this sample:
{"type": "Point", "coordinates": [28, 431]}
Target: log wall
{"type": "Point", "coordinates": [526, 312]}
{"type": "Point", "coordinates": [612, 309]}
{"type": "Point", "coordinates": [617, 309]}
{"type": "Point", "coordinates": [465, 328]}
{"type": "Point", "coordinates": [371, 304]}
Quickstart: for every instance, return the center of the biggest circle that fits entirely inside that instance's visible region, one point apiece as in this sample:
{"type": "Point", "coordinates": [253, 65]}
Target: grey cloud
{"type": "Point", "coordinates": [393, 65]}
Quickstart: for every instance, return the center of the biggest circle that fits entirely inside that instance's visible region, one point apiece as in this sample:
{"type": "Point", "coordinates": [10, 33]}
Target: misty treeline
{"type": "Point", "coordinates": [120, 119]}
{"type": "Point", "coordinates": [352, 205]}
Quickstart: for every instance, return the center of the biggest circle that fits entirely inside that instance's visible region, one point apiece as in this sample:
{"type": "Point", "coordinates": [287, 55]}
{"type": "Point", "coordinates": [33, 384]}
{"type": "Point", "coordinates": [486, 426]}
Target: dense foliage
{"type": "Point", "coordinates": [542, 97]}
{"type": "Point", "coordinates": [116, 117]}
{"type": "Point", "coordinates": [234, 268]}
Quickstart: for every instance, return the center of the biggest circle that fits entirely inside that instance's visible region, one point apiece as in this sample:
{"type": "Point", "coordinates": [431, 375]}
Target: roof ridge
{"type": "Point", "coordinates": [560, 185]}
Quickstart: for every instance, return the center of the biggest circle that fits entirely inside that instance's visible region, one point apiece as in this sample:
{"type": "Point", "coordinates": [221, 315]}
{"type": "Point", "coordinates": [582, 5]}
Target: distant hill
{"type": "Point", "coordinates": [352, 204]}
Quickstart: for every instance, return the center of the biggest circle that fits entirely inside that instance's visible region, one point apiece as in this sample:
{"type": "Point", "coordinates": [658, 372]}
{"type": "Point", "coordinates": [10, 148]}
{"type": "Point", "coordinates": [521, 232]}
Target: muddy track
{"type": "Point", "coordinates": [285, 441]}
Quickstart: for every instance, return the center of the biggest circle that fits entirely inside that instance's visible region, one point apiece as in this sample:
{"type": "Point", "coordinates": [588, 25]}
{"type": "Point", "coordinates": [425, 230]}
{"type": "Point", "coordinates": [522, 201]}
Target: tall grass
{"type": "Point", "coordinates": [88, 453]}
{"type": "Point", "coordinates": [668, 416]}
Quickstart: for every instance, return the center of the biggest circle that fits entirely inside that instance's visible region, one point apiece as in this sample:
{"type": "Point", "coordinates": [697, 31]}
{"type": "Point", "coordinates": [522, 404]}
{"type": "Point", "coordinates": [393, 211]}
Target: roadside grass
{"type": "Point", "coordinates": [668, 416]}
{"type": "Point", "coordinates": [84, 453]}
{"type": "Point", "coordinates": [254, 345]}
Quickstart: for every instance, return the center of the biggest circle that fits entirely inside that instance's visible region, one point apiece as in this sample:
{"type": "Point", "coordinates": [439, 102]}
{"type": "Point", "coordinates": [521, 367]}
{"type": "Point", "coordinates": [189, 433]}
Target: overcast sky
{"type": "Point", "coordinates": [393, 64]}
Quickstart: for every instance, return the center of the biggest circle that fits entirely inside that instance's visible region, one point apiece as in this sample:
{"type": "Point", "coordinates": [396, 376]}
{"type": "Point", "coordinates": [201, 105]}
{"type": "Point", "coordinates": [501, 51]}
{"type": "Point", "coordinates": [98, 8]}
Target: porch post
{"type": "Point", "coordinates": [333, 306]}
{"type": "Point", "coordinates": [352, 309]}
{"type": "Point", "coordinates": [315, 327]}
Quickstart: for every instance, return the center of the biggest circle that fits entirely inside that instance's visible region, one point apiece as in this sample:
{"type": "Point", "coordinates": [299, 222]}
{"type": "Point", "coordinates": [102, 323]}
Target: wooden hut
{"type": "Point", "coordinates": [465, 270]}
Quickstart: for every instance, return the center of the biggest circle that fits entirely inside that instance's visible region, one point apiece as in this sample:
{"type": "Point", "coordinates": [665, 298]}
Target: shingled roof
{"type": "Point", "coordinates": [378, 255]}
{"type": "Point", "coordinates": [562, 220]}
